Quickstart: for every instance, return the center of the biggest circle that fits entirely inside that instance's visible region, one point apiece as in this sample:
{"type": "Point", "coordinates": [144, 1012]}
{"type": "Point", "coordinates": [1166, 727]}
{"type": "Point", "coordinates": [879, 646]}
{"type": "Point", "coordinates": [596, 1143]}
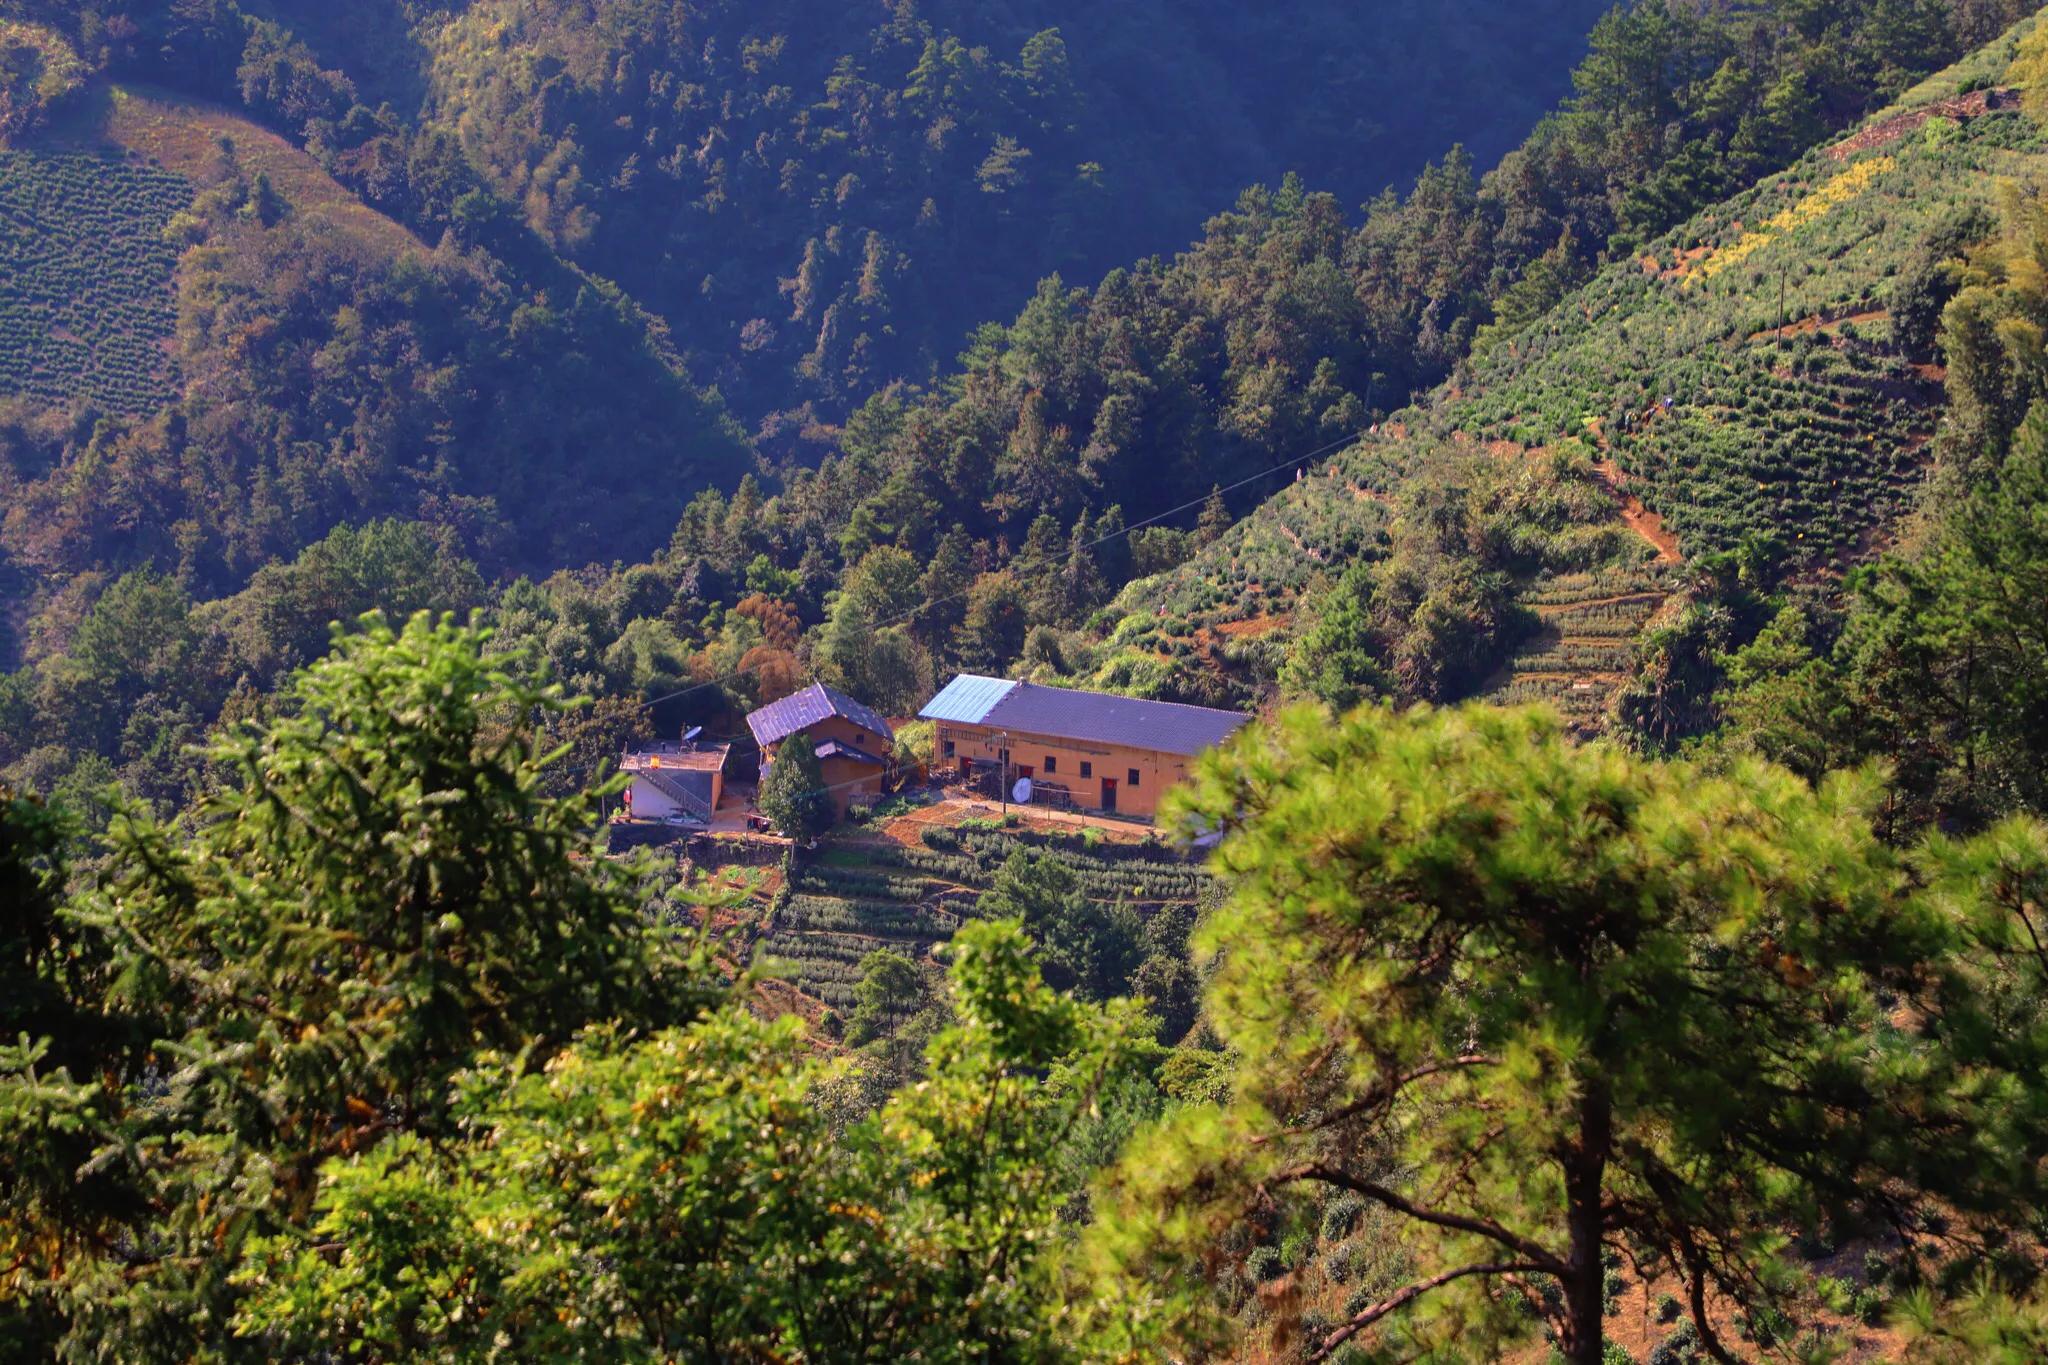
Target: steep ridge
{"type": "Point", "coordinates": [1762, 376]}
{"type": "Point", "coordinates": [275, 357]}
{"type": "Point", "coordinates": [91, 250]}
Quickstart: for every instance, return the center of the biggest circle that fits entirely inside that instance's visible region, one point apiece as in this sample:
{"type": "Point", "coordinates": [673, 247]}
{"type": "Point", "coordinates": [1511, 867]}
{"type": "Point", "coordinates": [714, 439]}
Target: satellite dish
{"type": "Point", "coordinates": [1021, 793]}
{"type": "Point", "coordinates": [692, 733]}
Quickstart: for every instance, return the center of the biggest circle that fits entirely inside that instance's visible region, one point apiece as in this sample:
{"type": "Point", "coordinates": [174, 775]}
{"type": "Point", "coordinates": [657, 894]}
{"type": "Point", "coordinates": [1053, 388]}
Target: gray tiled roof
{"type": "Point", "coordinates": [1095, 717]}
{"type": "Point", "coordinates": [778, 720]}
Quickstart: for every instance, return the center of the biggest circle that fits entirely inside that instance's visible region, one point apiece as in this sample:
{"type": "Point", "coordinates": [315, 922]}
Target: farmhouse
{"type": "Point", "coordinates": [1091, 750]}
{"type": "Point", "coordinates": [679, 784]}
{"type": "Point", "coordinates": [851, 741]}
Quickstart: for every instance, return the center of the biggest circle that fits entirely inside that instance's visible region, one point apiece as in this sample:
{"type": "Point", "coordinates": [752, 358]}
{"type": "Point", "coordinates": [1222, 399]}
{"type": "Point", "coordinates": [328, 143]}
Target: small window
{"type": "Point", "coordinates": [1134, 777]}
{"type": "Point", "coordinates": [949, 748]}
{"type": "Point", "coordinates": [1052, 765]}
{"type": "Point", "coordinates": [1087, 768]}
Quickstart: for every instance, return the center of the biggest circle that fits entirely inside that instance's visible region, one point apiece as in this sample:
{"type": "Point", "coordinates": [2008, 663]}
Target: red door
{"type": "Point", "coordinates": [1109, 793]}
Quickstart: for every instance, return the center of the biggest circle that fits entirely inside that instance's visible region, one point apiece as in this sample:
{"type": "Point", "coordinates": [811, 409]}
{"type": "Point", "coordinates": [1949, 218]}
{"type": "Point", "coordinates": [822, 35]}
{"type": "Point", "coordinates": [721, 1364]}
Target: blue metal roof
{"type": "Point", "coordinates": [967, 699]}
{"type": "Point", "coordinates": [1096, 717]}
{"type": "Point", "coordinates": [778, 720]}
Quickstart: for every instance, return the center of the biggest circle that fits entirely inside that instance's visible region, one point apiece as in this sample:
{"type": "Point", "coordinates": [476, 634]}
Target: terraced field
{"type": "Point", "coordinates": [88, 301]}
{"type": "Point", "coordinates": [1741, 379]}
{"type": "Point", "coordinates": [872, 891]}
{"type": "Point", "coordinates": [1586, 646]}
{"type": "Point", "coordinates": [87, 304]}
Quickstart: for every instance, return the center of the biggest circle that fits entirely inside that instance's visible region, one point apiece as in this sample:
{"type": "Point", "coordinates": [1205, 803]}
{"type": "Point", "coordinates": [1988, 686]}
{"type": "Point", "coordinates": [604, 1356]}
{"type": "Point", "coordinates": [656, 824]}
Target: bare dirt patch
{"type": "Point", "coordinates": [184, 135]}
{"type": "Point", "coordinates": [1832, 321]}
{"type": "Point", "coordinates": [1637, 517]}
{"type": "Point", "coordinates": [1883, 133]}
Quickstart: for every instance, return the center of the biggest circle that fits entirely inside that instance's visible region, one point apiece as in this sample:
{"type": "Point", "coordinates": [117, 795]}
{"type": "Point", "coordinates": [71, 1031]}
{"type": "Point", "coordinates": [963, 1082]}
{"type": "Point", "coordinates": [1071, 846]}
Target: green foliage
{"type": "Point", "coordinates": [793, 791]}
{"type": "Point", "coordinates": [1544, 998]}
{"type": "Point", "coordinates": [858, 892]}
{"type": "Point", "coordinates": [377, 893]}
{"type": "Point", "coordinates": [38, 71]}
{"type": "Point", "coordinates": [863, 190]}
{"type": "Point", "coordinates": [1986, 1323]}
{"type": "Point", "coordinates": [891, 987]}
{"type": "Point", "coordinates": [689, 1195]}
{"type": "Point", "coordinates": [1937, 667]}
{"type": "Point", "coordinates": [1336, 660]}
{"type": "Point", "coordinates": [1666, 364]}
{"type": "Point", "coordinates": [1083, 946]}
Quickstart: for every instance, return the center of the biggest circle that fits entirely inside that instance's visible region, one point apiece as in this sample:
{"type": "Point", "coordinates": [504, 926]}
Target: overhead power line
{"type": "Point", "coordinates": [1298, 460]}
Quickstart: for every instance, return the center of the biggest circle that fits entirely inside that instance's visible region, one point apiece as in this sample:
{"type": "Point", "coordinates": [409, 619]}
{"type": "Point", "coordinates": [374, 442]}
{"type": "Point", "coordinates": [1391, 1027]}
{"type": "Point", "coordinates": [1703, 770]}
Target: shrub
{"type": "Point", "coordinates": [1341, 1216]}
{"type": "Point", "coordinates": [1682, 1347]}
{"type": "Point", "coordinates": [1263, 1264]}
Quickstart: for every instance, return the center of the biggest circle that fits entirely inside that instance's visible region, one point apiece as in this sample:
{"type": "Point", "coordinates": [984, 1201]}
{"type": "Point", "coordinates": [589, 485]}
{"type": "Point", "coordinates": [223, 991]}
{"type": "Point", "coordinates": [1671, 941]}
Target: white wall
{"type": "Point", "coordinates": [649, 802]}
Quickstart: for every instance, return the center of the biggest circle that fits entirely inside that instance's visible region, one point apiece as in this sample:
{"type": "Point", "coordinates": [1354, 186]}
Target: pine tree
{"type": "Point", "coordinates": [381, 894]}
{"type": "Point", "coordinates": [1215, 518]}
{"type": "Point", "coordinates": [943, 589]}
{"type": "Point", "coordinates": [1534, 998]}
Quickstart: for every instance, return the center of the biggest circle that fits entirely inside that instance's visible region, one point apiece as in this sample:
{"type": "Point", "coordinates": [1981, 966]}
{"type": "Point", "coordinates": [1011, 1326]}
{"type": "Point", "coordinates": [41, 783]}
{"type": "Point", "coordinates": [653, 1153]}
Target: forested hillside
{"type": "Point", "coordinates": [255, 356]}
{"type": "Point", "coordinates": [978, 523]}
{"type": "Point", "coordinates": [1613, 939]}
{"type": "Point", "coordinates": [820, 208]}
{"type": "Point", "coordinates": [1744, 404]}
{"type": "Point", "coordinates": [822, 201]}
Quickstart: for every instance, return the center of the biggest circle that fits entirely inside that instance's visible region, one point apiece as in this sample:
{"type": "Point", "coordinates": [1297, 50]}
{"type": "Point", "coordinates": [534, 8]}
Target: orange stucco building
{"type": "Point", "coordinates": [852, 742]}
{"type": "Point", "coordinates": [1091, 750]}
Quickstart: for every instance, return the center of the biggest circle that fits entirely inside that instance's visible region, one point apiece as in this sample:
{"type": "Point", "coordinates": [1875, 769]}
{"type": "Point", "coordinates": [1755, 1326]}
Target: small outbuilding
{"type": "Point", "coordinates": [853, 743]}
{"type": "Point", "coordinates": [677, 784]}
{"type": "Point", "coordinates": [1087, 750]}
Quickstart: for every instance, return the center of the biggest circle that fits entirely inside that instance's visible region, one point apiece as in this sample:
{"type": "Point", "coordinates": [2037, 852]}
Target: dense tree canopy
{"type": "Point", "coordinates": [1538, 1001]}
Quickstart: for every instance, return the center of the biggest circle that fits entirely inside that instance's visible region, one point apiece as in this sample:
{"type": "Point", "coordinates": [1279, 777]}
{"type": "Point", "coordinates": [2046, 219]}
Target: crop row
{"type": "Point", "coordinates": [882, 919]}
{"type": "Point", "coordinates": [86, 302]}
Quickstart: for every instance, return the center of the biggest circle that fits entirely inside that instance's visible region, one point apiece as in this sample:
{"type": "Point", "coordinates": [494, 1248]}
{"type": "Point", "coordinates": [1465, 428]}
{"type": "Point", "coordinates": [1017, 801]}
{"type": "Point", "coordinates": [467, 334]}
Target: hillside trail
{"type": "Point", "coordinates": [1975, 104]}
{"type": "Point", "coordinates": [1586, 686]}
{"type": "Point", "coordinates": [1826, 322]}
{"type": "Point", "coordinates": [1549, 609]}
{"type": "Point", "coordinates": [1634, 514]}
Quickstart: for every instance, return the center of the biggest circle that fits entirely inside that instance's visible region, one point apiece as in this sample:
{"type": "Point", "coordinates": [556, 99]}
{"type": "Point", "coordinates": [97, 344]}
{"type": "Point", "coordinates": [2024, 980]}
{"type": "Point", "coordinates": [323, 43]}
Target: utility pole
{"type": "Point", "coordinates": [1003, 783]}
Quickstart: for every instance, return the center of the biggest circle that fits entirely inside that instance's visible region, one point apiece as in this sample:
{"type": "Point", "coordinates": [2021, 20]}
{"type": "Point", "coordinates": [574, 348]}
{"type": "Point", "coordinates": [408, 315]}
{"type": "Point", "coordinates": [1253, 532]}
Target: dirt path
{"type": "Point", "coordinates": [1251, 628]}
{"type": "Point", "coordinates": [1825, 322]}
{"type": "Point", "coordinates": [1638, 518]}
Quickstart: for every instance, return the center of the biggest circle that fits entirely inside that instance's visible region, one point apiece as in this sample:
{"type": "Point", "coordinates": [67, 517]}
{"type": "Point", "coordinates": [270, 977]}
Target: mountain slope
{"type": "Point", "coordinates": [282, 358]}
{"type": "Point", "coordinates": [823, 200]}
{"type": "Point", "coordinates": [1763, 374]}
